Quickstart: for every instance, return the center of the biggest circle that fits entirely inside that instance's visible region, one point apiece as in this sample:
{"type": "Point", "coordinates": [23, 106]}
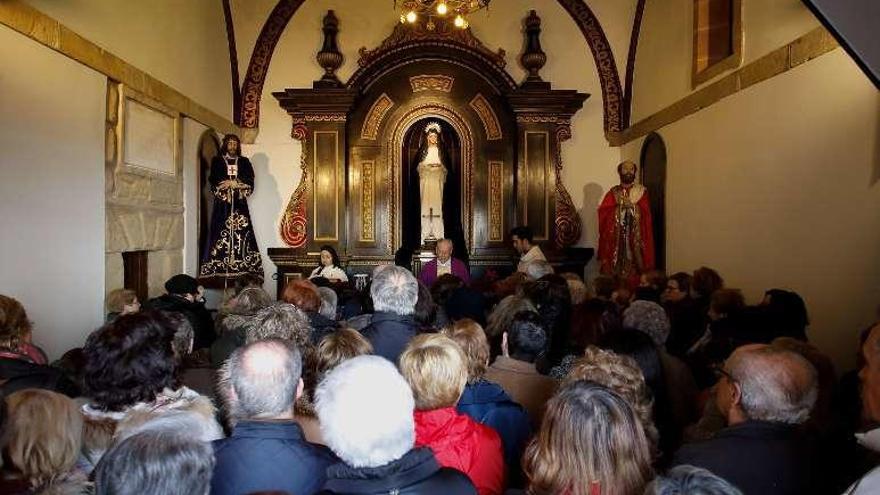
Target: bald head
{"type": "Point", "coordinates": [262, 380]}
{"type": "Point", "coordinates": [774, 384]}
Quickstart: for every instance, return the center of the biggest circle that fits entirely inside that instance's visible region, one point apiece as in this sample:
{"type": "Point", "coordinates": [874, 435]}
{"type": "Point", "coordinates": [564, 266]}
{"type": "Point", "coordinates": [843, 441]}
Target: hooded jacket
{"type": "Point", "coordinates": [487, 403]}
{"type": "Point", "coordinates": [460, 442]}
{"type": "Point", "coordinates": [417, 472]}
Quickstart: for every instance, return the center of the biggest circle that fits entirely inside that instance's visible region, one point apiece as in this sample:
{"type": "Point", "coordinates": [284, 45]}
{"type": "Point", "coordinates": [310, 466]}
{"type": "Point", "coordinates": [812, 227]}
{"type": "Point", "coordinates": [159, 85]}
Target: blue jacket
{"type": "Point", "coordinates": [489, 404]}
{"type": "Point", "coordinates": [389, 333]}
{"type": "Point", "coordinates": [268, 456]}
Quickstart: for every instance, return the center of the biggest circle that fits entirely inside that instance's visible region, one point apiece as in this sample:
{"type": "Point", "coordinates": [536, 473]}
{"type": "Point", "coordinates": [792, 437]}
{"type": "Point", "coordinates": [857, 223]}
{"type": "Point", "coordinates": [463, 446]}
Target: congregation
{"type": "Point", "coordinates": [538, 383]}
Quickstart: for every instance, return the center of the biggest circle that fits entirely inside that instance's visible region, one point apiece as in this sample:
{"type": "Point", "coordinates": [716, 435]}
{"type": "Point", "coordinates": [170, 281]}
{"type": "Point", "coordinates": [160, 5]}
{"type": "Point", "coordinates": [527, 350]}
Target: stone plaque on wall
{"type": "Point", "coordinates": [149, 137]}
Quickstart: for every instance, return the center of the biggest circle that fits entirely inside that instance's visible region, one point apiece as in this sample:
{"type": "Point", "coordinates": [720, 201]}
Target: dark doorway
{"type": "Point", "coordinates": [414, 143]}
{"type": "Point", "coordinates": [209, 147]}
{"type": "Point", "coordinates": [135, 272]}
{"type": "Point", "coordinates": [653, 175]}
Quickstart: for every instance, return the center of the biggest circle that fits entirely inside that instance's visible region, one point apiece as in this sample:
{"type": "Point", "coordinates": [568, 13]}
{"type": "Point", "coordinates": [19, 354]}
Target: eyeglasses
{"type": "Point", "coordinates": [720, 372]}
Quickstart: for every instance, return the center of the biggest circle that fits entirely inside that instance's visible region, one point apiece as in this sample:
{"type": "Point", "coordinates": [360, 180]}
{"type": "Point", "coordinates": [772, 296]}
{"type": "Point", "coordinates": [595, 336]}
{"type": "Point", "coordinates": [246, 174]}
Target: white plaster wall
{"type": "Point", "coordinates": [180, 42]}
{"type": "Point", "coordinates": [664, 59]}
{"type": "Point", "coordinates": [52, 254]}
{"type": "Point", "coordinates": [192, 133]}
{"type": "Point", "coordinates": [779, 186]}
{"type": "Point", "coordinates": [589, 160]}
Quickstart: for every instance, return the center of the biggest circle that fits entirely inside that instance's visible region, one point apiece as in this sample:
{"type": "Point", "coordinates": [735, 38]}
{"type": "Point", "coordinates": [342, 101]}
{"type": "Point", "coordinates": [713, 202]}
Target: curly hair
{"type": "Point", "coordinates": [14, 323]}
{"type": "Point", "coordinates": [280, 321]}
{"type": "Point", "coordinates": [129, 360]}
{"type": "Point", "coordinates": [622, 375]}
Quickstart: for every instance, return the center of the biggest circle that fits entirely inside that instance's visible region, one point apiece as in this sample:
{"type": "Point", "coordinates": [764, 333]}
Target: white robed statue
{"type": "Point", "coordinates": [432, 177]}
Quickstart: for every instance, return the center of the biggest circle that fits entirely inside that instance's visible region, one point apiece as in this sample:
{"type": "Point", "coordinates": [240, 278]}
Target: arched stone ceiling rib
{"type": "Point", "coordinates": [613, 98]}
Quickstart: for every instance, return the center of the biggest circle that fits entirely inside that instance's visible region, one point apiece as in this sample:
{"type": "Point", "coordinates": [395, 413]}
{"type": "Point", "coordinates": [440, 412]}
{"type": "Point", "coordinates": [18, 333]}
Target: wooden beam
{"type": "Point", "coordinates": [809, 46]}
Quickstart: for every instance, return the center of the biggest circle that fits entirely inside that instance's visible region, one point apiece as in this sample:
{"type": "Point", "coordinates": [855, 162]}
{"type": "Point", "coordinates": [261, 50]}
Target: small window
{"type": "Point", "coordinates": [717, 38]}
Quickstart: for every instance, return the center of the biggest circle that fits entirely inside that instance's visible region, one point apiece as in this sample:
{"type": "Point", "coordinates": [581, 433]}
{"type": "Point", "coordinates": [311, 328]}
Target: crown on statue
{"type": "Point", "coordinates": [432, 127]}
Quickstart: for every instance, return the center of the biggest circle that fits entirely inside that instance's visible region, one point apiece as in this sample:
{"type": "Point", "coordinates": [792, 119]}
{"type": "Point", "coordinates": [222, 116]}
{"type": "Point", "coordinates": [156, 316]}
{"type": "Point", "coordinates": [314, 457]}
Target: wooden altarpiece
{"type": "Point", "coordinates": [508, 152]}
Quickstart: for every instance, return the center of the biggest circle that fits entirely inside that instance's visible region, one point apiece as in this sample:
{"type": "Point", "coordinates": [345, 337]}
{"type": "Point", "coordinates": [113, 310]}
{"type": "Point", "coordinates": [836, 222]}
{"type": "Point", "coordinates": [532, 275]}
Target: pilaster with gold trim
{"type": "Point", "coordinates": [543, 120]}
{"type": "Point", "coordinates": [316, 213]}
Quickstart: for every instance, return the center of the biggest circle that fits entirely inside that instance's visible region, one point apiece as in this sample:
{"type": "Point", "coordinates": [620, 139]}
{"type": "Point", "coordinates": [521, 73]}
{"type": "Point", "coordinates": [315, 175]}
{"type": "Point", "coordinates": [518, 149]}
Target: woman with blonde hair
{"type": "Point", "coordinates": [121, 302]}
{"type": "Point", "coordinates": [42, 444]}
{"type": "Point", "coordinates": [590, 443]}
{"type": "Point", "coordinates": [436, 369]}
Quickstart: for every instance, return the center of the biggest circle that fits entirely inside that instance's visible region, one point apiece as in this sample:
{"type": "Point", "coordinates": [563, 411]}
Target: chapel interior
{"type": "Point", "coordinates": [755, 125]}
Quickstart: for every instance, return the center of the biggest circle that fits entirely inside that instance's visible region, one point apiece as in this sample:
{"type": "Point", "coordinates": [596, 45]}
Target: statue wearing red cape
{"type": "Point", "coordinates": [626, 242]}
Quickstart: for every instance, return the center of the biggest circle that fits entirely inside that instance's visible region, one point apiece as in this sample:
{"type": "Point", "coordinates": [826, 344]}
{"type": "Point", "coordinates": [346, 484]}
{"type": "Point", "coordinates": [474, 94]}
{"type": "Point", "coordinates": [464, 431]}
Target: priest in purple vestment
{"type": "Point", "coordinates": [444, 263]}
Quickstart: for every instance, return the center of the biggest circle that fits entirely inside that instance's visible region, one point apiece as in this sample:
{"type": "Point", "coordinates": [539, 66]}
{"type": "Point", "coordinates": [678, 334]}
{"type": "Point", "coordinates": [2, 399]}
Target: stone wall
{"type": "Point", "coordinates": [144, 207]}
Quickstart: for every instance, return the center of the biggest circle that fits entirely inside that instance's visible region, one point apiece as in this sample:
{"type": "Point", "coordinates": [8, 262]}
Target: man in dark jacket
{"type": "Point", "coordinates": [184, 295]}
{"type": "Point", "coordinates": [394, 291]}
{"type": "Point", "coordinates": [765, 394]}
{"type": "Point", "coordinates": [377, 456]}
{"type": "Point", "coordinates": [267, 450]}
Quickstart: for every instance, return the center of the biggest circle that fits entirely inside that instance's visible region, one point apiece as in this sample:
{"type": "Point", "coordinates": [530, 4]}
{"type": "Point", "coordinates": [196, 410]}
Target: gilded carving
{"type": "Point", "coordinates": [367, 191]}
{"type": "Point", "coordinates": [404, 34]}
{"type": "Point", "coordinates": [293, 222]}
{"type": "Point", "coordinates": [436, 82]}
{"type": "Point", "coordinates": [542, 119]}
{"type": "Point", "coordinates": [326, 117]}
{"type": "Point", "coordinates": [487, 117]}
{"type": "Point", "coordinates": [374, 117]}
{"type": "Point", "coordinates": [568, 222]}
{"type": "Point", "coordinates": [496, 201]}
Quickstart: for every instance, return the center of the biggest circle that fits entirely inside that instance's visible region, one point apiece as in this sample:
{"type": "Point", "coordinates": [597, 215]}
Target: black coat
{"type": "Point", "coordinates": [389, 333]}
{"type": "Point", "coordinates": [268, 456]}
{"type": "Point", "coordinates": [19, 374]}
{"type": "Point", "coordinates": [199, 317]}
{"type": "Point", "coordinates": [321, 326]}
{"type": "Point", "coordinates": [758, 457]}
{"type": "Point", "coordinates": [416, 472]}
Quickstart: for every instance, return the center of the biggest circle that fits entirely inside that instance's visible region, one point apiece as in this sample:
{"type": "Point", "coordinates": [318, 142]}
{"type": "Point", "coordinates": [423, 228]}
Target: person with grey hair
{"type": "Point", "coordinates": [329, 299]}
{"type": "Point", "coordinates": [280, 321]}
{"type": "Point", "coordinates": [158, 462]}
{"type": "Point", "coordinates": [536, 269]}
{"type": "Point", "coordinates": [366, 412]}
{"type": "Point", "coordinates": [690, 480]}
{"type": "Point", "coordinates": [267, 450]}
{"type": "Point", "coordinates": [394, 291]}
{"type": "Point", "coordinates": [765, 394]}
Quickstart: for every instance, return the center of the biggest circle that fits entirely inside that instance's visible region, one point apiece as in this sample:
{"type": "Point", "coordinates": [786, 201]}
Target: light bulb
{"type": "Point", "coordinates": [442, 9]}
{"type": "Point", "coordinates": [411, 16]}
{"type": "Point", "coordinates": [459, 21]}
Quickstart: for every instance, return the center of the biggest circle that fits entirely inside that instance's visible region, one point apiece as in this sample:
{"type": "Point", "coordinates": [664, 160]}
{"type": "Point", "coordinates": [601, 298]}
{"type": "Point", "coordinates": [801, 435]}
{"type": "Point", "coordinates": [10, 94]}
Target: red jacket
{"type": "Point", "coordinates": [460, 442]}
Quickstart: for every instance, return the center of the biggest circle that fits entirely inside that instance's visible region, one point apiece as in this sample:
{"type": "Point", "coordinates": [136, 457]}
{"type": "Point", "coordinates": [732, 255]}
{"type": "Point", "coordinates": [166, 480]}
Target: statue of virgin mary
{"type": "Point", "coordinates": [432, 176]}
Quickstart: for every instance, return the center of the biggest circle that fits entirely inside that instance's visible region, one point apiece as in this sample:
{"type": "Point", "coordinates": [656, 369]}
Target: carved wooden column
{"type": "Point", "coordinates": [543, 120]}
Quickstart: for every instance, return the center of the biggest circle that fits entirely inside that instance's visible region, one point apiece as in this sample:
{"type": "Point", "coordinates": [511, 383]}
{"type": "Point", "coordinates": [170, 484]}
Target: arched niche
{"type": "Point", "coordinates": [653, 176]}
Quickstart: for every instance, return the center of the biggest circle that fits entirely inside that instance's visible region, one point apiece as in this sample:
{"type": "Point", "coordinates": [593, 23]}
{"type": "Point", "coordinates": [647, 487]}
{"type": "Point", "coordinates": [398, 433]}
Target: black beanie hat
{"type": "Point", "coordinates": [182, 284]}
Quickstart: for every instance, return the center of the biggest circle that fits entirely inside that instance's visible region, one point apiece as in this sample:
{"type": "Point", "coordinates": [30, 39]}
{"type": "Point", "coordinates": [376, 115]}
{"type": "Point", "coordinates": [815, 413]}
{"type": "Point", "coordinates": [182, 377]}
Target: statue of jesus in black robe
{"type": "Point", "coordinates": [231, 247]}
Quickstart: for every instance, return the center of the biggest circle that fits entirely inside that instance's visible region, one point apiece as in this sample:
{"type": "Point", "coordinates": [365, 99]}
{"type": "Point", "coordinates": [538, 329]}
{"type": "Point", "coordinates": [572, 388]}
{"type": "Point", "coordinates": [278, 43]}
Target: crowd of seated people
{"type": "Point", "coordinates": [549, 385]}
